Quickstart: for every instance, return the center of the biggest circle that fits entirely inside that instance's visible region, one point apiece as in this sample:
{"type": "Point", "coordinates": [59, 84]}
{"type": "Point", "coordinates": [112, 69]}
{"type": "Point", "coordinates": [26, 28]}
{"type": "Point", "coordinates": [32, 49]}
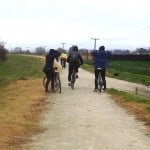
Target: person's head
{"type": "Point", "coordinates": [102, 48]}
{"type": "Point", "coordinates": [75, 48]}
{"type": "Point", "coordinates": [51, 50]}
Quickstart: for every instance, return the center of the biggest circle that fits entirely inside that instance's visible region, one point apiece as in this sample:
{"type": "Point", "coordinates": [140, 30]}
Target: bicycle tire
{"type": "Point", "coordinates": [57, 83]}
{"type": "Point", "coordinates": [100, 83]}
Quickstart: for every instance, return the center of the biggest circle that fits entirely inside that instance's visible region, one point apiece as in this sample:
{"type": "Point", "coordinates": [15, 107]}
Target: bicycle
{"type": "Point", "coordinates": [73, 78]}
{"type": "Point", "coordinates": [99, 81]}
{"type": "Point", "coordinates": [57, 82]}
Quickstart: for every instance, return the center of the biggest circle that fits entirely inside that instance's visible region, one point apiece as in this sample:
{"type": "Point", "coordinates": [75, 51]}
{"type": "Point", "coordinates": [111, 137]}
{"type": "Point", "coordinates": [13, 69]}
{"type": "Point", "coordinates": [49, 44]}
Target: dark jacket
{"type": "Point", "coordinates": [49, 59]}
{"type": "Point", "coordinates": [100, 58]}
{"type": "Point", "coordinates": [80, 62]}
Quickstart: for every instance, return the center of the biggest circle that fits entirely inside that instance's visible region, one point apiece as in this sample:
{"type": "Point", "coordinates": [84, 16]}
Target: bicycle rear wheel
{"type": "Point", "coordinates": [100, 83]}
{"type": "Point", "coordinates": [57, 83]}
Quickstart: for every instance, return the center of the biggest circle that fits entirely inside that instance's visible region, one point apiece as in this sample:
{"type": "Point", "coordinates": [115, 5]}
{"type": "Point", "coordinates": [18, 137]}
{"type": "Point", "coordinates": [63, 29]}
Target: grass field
{"type": "Point", "coordinates": [133, 71]}
{"type": "Point", "coordinates": [135, 104]}
{"type": "Point", "coordinates": [18, 67]}
{"type": "Point", "coordinates": [22, 99]}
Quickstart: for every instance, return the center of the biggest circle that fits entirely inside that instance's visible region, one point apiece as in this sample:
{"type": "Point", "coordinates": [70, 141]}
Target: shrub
{"type": "Point", "coordinates": [3, 53]}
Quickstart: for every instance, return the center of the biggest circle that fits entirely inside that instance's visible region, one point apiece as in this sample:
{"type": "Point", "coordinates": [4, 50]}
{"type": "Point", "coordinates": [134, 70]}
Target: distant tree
{"type": "Point", "coordinates": [40, 51]}
{"type": "Point", "coordinates": [3, 52]}
{"type": "Point", "coordinates": [141, 51]}
{"type": "Point", "coordinates": [18, 50]}
{"type": "Point", "coordinates": [61, 50]}
{"type": "Point", "coordinates": [27, 52]}
{"type": "Point", "coordinates": [84, 53]}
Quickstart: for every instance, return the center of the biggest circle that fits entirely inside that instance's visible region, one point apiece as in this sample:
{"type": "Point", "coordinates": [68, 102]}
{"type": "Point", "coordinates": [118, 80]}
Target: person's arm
{"type": "Point", "coordinates": [57, 54]}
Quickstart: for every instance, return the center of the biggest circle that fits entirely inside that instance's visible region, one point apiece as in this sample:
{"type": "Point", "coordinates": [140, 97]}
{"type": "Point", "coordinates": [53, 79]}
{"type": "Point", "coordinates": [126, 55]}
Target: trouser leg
{"type": "Point", "coordinates": [96, 78]}
{"type": "Point", "coordinates": [69, 73]}
{"type": "Point", "coordinates": [103, 78]}
{"type": "Point", "coordinates": [47, 81]}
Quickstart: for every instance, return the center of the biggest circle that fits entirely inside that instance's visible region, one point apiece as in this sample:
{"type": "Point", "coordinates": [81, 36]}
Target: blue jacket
{"type": "Point", "coordinates": [100, 58]}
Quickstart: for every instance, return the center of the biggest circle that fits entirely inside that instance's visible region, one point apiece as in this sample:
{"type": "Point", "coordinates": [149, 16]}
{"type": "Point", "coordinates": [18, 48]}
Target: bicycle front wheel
{"type": "Point", "coordinates": [100, 83]}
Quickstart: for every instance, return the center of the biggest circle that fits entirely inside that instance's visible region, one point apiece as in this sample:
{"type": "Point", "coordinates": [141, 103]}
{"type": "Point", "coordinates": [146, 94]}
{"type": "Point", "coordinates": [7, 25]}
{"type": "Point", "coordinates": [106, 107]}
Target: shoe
{"type": "Point", "coordinates": [46, 90]}
{"type": "Point", "coordinates": [76, 75]}
{"type": "Point", "coordinates": [104, 89]}
{"type": "Point", "coordinates": [95, 90]}
{"type": "Point", "coordinates": [69, 84]}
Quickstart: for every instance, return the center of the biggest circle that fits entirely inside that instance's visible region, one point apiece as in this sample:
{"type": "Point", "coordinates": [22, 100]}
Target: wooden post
{"type": "Point", "coordinates": [136, 90]}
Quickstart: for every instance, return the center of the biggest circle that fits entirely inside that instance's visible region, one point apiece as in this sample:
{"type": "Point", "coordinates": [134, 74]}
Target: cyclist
{"type": "Point", "coordinates": [100, 61]}
{"type": "Point", "coordinates": [75, 60]}
{"type": "Point", "coordinates": [48, 68]}
{"type": "Point", "coordinates": [63, 59]}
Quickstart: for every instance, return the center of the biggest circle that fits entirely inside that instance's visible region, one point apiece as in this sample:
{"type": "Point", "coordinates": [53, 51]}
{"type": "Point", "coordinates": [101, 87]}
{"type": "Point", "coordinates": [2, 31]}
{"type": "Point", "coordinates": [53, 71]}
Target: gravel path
{"type": "Point", "coordinates": [81, 119]}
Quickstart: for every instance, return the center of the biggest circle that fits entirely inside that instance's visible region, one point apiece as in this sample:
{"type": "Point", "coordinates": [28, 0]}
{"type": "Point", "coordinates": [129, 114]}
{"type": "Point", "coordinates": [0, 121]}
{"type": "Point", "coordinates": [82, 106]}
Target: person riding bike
{"type": "Point", "coordinates": [48, 68]}
{"type": "Point", "coordinates": [100, 61]}
{"type": "Point", "coordinates": [75, 60]}
{"type": "Point", "coordinates": [63, 59]}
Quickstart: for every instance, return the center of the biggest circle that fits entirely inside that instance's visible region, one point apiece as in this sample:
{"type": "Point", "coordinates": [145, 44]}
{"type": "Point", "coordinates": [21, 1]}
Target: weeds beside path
{"type": "Point", "coordinates": [22, 102]}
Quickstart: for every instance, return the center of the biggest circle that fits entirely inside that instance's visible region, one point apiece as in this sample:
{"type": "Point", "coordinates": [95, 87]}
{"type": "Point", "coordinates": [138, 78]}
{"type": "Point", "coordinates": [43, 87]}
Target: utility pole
{"type": "Point", "coordinates": [95, 39]}
{"type": "Point", "coordinates": [63, 45]}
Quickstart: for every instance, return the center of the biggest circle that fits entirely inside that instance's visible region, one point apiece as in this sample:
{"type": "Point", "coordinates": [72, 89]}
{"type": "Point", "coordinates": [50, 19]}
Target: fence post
{"type": "Point", "coordinates": [136, 90]}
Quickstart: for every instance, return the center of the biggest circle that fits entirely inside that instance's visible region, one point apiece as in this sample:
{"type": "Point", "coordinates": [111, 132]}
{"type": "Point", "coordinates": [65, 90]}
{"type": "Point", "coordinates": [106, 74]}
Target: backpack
{"type": "Point", "coordinates": [74, 58]}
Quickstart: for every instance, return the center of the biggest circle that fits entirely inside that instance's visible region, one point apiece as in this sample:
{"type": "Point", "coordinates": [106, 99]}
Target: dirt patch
{"type": "Point", "coordinates": [21, 105]}
{"type": "Point", "coordinates": [136, 109]}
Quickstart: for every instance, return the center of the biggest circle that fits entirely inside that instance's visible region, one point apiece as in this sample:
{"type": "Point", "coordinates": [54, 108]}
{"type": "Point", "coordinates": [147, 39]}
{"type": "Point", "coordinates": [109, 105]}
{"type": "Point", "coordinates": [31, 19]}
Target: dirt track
{"type": "Point", "coordinates": [81, 119]}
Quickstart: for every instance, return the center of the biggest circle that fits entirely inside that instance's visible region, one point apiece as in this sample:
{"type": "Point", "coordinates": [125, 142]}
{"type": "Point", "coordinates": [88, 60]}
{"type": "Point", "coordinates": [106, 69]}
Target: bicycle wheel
{"type": "Point", "coordinates": [57, 83]}
{"type": "Point", "coordinates": [100, 83]}
{"type": "Point", "coordinates": [73, 78]}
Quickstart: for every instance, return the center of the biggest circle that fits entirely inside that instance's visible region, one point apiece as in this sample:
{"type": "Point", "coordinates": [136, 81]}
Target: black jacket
{"type": "Point", "coordinates": [80, 62]}
{"type": "Point", "coordinates": [49, 59]}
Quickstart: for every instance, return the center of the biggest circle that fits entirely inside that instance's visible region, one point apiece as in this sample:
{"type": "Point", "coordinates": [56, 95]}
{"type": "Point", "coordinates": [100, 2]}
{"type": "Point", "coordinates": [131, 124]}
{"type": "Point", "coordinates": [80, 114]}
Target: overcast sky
{"type": "Point", "coordinates": [117, 24]}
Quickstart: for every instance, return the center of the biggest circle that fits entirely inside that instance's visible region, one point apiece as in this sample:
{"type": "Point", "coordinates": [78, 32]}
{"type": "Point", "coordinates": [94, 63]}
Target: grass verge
{"type": "Point", "coordinates": [22, 99]}
{"type": "Point", "coordinates": [137, 105]}
{"type": "Point", "coordinates": [21, 105]}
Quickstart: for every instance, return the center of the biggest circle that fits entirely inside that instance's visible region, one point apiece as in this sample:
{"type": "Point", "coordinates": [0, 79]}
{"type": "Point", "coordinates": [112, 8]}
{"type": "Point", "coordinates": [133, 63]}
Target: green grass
{"type": "Point", "coordinates": [132, 71]}
{"type": "Point", "coordinates": [18, 67]}
{"type": "Point", "coordinates": [135, 67]}
{"type": "Point", "coordinates": [128, 76]}
{"type": "Point", "coordinates": [131, 97]}
{"type": "Point", "coordinates": [88, 67]}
